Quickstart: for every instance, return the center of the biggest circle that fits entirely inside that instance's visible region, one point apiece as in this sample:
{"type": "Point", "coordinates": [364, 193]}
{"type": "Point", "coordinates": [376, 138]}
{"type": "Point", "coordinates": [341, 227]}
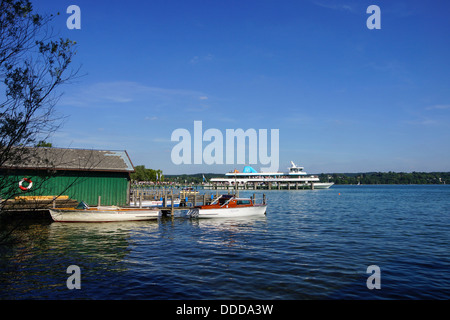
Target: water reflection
{"type": "Point", "coordinates": [211, 229]}
{"type": "Point", "coordinates": [229, 224]}
{"type": "Point", "coordinates": [123, 228]}
{"type": "Point", "coordinates": [35, 264]}
{"type": "Point", "coordinates": [106, 241]}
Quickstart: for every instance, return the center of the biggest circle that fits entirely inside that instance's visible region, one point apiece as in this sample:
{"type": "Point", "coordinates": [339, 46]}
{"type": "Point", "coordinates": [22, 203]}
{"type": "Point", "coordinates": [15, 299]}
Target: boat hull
{"type": "Point", "coordinates": [227, 212]}
{"type": "Point", "coordinates": [103, 215]}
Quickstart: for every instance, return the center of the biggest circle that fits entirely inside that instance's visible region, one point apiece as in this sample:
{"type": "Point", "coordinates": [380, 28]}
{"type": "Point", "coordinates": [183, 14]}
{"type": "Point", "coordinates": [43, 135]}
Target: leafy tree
{"type": "Point", "coordinates": [33, 64]}
{"type": "Point", "coordinates": [143, 174]}
{"type": "Point", "coordinates": [44, 144]}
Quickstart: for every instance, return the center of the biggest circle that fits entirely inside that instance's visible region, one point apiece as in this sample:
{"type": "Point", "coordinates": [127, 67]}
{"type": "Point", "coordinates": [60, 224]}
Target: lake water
{"type": "Point", "coordinates": [311, 245]}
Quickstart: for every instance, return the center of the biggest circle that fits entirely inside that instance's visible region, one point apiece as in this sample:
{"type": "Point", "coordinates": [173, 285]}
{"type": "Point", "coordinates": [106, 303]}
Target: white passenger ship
{"type": "Point", "coordinates": [249, 178]}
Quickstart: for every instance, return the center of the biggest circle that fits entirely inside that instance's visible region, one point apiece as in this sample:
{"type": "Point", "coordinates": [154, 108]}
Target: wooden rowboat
{"type": "Point", "coordinates": [84, 213]}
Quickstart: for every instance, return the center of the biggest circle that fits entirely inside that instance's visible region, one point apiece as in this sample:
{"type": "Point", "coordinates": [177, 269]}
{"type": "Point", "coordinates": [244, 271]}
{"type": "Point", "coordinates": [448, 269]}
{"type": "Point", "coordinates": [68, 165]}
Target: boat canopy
{"type": "Point", "coordinates": [248, 169]}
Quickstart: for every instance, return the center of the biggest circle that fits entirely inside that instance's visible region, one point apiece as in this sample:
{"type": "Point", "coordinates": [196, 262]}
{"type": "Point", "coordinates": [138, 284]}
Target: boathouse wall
{"type": "Point", "coordinates": [112, 188]}
{"type": "Point", "coordinates": [104, 176]}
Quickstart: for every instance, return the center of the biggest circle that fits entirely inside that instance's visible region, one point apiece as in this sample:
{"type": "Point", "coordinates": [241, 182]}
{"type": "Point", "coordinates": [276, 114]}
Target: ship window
{"type": "Point", "coordinates": [243, 202]}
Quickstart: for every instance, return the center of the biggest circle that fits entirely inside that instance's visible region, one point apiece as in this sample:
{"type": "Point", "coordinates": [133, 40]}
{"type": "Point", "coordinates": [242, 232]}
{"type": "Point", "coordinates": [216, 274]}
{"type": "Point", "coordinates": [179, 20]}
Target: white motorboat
{"type": "Point", "coordinates": [84, 213]}
{"type": "Point", "coordinates": [228, 206]}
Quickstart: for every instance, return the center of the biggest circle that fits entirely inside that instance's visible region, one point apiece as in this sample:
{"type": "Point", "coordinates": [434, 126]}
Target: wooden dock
{"type": "Point", "coordinates": [27, 203]}
{"type": "Point", "coordinates": [166, 195]}
{"type": "Point", "coordinates": [187, 199]}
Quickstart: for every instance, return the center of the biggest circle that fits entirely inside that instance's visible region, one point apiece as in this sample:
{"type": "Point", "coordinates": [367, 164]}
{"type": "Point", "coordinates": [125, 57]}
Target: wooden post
{"type": "Point", "coordinates": [99, 201]}
{"type": "Point", "coordinates": [54, 202]}
{"type": "Point", "coordinates": [264, 198]}
{"type": "Point", "coordinates": [312, 185]}
{"type": "Point", "coordinates": [171, 203]}
{"type": "Point", "coordinates": [140, 201]}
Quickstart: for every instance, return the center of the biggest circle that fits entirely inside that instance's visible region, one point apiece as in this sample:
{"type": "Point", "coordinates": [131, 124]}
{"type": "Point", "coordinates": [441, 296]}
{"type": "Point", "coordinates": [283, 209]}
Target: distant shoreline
{"type": "Point", "coordinates": [367, 178]}
{"type": "Point", "coordinates": [397, 184]}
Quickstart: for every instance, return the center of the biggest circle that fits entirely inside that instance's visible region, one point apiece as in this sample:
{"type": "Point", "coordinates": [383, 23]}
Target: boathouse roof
{"type": "Point", "coordinates": [71, 159]}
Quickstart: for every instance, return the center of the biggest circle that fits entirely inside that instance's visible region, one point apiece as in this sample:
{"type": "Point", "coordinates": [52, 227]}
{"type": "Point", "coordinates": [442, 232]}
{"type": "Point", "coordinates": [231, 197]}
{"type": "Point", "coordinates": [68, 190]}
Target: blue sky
{"type": "Point", "coordinates": [344, 98]}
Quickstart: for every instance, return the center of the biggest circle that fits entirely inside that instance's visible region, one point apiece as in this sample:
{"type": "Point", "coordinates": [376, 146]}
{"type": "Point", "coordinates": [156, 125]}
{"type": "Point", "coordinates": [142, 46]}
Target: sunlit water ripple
{"type": "Point", "coordinates": [310, 245]}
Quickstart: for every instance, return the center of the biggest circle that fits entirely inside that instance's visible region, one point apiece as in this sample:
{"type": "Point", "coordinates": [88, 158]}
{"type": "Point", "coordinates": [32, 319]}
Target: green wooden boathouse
{"type": "Point", "coordinates": [75, 174]}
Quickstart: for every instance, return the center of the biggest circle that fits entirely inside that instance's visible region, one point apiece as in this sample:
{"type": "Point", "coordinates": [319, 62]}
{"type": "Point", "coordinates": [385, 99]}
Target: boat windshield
{"type": "Point", "coordinates": [222, 199]}
{"type": "Point", "coordinates": [243, 201]}
{"type": "Point", "coordinates": [82, 206]}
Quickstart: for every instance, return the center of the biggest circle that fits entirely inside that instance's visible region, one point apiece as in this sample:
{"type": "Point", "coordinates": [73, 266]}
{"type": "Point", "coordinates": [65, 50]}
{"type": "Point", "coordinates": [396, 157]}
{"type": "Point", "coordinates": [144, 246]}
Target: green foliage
{"type": "Point", "coordinates": [33, 64]}
{"type": "Point", "coordinates": [387, 178]}
{"type": "Point", "coordinates": [143, 174]}
{"type": "Point", "coordinates": [44, 144]}
{"type": "Point", "coordinates": [196, 178]}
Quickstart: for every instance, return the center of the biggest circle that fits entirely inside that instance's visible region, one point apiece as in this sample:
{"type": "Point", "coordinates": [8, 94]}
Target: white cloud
{"type": "Point", "coordinates": [165, 140]}
{"type": "Point", "coordinates": [421, 122]}
{"type": "Point", "coordinates": [194, 60]}
{"type": "Point", "coordinates": [105, 94]}
{"type": "Point", "coordinates": [335, 5]}
{"type": "Point", "coordinates": [198, 59]}
{"type": "Point", "coordinates": [438, 107]}
{"type": "Point", "coordinates": [198, 108]}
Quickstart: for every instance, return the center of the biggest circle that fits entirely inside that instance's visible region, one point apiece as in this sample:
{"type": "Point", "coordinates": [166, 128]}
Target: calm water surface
{"type": "Point", "coordinates": [310, 245]}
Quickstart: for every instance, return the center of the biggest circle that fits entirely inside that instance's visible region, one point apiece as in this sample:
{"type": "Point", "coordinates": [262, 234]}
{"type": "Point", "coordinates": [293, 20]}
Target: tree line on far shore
{"type": "Point", "coordinates": [145, 174]}
{"type": "Point", "coordinates": [387, 178]}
